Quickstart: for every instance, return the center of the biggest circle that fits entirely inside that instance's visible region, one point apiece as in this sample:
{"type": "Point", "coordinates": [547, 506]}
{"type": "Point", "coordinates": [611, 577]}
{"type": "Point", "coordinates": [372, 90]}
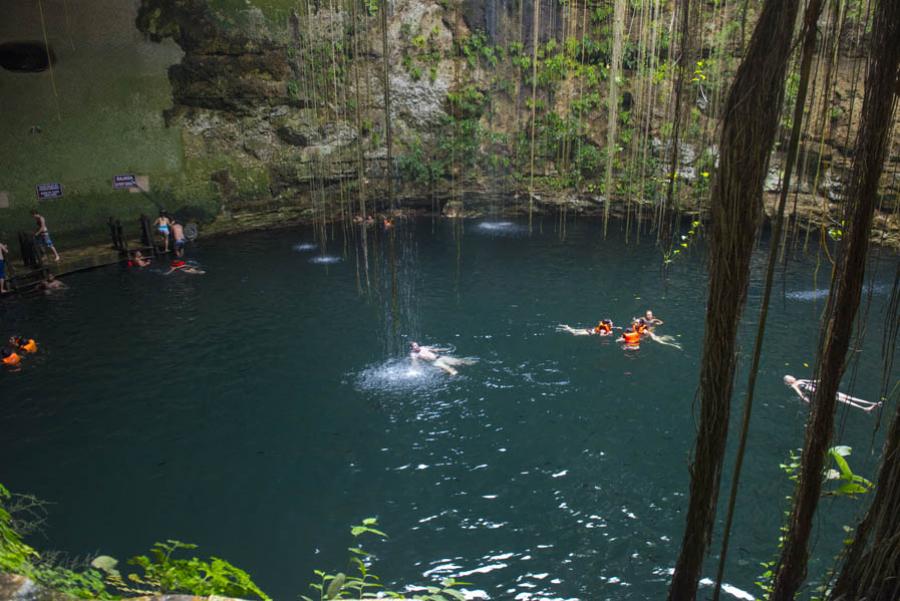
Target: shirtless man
{"type": "Point", "coordinates": [806, 388]}
{"type": "Point", "coordinates": [430, 354]}
{"type": "Point", "coordinates": [50, 284]}
{"type": "Point", "coordinates": [178, 236]}
{"type": "Point", "coordinates": [3, 251]}
{"type": "Point", "coordinates": [42, 234]}
{"type": "Point", "coordinates": [648, 319]}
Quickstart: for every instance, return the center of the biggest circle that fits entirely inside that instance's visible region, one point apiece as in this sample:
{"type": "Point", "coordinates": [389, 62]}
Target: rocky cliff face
{"type": "Point", "coordinates": [287, 114]}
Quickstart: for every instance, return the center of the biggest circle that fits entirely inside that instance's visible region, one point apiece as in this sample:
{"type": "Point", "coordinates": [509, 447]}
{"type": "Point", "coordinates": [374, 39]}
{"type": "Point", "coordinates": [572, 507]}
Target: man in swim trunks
{"type": "Point", "coordinates": [807, 388]}
{"type": "Point", "coordinates": [430, 354]}
{"type": "Point", "coordinates": [42, 235]}
{"type": "Point", "coordinates": [178, 236]}
{"type": "Point", "coordinates": [3, 251]}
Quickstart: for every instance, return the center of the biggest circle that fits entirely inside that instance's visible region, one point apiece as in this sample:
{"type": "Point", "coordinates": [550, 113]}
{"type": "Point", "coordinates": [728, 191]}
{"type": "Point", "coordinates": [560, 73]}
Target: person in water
{"type": "Point", "coordinates": [138, 260]}
{"type": "Point", "coordinates": [178, 236]}
{"type": "Point", "coordinates": [805, 389]}
{"type": "Point", "coordinates": [50, 283]}
{"type": "Point", "coordinates": [631, 338]}
{"type": "Point", "coordinates": [42, 234]}
{"type": "Point", "coordinates": [604, 327]}
{"type": "Point", "coordinates": [3, 251]}
{"type": "Point", "coordinates": [9, 357]}
{"type": "Point", "coordinates": [433, 356]}
{"type": "Point", "coordinates": [179, 265]}
{"type": "Point", "coordinates": [163, 225]}
{"type": "Point", "coordinates": [23, 345]}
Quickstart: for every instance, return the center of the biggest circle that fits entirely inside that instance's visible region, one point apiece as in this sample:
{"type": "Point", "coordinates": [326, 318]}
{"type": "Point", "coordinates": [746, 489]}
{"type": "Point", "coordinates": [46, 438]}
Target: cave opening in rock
{"type": "Point", "coordinates": [26, 57]}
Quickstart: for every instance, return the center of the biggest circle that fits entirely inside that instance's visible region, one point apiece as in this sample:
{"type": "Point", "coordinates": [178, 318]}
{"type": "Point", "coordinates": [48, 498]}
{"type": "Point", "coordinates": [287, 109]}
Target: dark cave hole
{"type": "Point", "coordinates": [26, 57]}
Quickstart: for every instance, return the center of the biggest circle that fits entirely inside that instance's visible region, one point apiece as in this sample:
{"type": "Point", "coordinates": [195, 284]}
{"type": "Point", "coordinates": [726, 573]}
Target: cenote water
{"type": "Point", "coordinates": [261, 409]}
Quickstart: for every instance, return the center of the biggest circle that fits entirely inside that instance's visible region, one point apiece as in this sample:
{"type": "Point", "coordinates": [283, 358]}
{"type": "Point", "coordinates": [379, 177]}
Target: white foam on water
{"type": "Point", "coordinates": [500, 228]}
{"type": "Point", "coordinates": [397, 375]}
{"type": "Point", "coordinates": [305, 247]}
{"type": "Point", "coordinates": [811, 295]}
{"type": "Point", "coordinates": [325, 259]}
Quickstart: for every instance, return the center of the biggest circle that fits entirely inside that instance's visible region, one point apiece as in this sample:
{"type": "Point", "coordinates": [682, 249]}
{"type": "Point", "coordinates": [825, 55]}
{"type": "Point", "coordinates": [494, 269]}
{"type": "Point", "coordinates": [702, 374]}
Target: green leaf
{"type": "Point", "coordinates": [336, 585]}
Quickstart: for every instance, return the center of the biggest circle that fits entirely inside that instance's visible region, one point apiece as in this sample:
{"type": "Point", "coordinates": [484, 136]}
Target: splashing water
{"type": "Point", "coordinates": [500, 228]}
{"type": "Point", "coordinates": [325, 259]}
{"type": "Point", "coordinates": [398, 375]}
{"type": "Point", "coordinates": [305, 247]}
{"type": "Point", "coordinates": [810, 295]}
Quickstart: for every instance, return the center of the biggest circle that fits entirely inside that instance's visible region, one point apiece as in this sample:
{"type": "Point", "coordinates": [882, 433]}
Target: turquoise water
{"type": "Point", "coordinates": [261, 409]}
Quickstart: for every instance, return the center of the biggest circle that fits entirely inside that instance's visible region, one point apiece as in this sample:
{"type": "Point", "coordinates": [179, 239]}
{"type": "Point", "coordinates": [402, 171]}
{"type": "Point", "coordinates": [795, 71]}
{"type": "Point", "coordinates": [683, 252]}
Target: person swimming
{"type": "Point", "coordinates": [806, 389]}
{"type": "Point", "coordinates": [9, 357]}
{"type": "Point", "coordinates": [24, 345]}
{"type": "Point", "coordinates": [138, 260]}
{"type": "Point", "coordinates": [631, 338]}
{"type": "Point", "coordinates": [604, 327]}
{"type": "Point", "coordinates": [184, 267]}
{"type": "Point", "coordinates": [431, 354]}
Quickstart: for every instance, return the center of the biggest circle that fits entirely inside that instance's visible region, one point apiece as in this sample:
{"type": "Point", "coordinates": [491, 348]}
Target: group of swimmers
{"type": "Point", "coordinates": [11, 356]}
{"type": "Point", "coordinates": [641, 327]}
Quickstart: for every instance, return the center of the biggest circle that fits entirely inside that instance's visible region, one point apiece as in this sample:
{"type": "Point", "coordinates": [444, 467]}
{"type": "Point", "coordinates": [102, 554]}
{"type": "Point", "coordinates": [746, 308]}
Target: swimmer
{"type": "Point", "coordinates": [9, 358]}
{"type": "Point", "coordinates": [650, 320]}
{"type": "Point", "coordinates": [162, 224]}
{"type": "Point", "coordinates": [806, 388]}
{"type": "Point", "coordinates": [179, 265]}
{"type": "Point", "coordinates": [23, 345]}
{"type": "Point", "coordinates": [50, 284]}
{"type": "Point", "coordinates": [431, 354]}
{"type": "Point", "coordinates": [138, 260]}
{"type": "Point", "coordinates": [604, 327]}
{"type": "Point", "coordinates": [631, 338]}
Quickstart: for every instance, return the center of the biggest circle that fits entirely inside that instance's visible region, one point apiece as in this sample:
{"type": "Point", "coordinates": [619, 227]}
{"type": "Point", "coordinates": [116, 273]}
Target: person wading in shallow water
{"type": "Point", "coordinates": [42, 235]}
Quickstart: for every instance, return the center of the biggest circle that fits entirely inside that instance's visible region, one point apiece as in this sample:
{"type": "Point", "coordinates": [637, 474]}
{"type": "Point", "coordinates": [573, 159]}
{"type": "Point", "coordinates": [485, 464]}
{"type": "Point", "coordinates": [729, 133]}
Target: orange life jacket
{"type": "Point", "coordinates": [12, 359]}
{"type": "Point", "coordinates": [29, 347]}
{"type": "Point", "coordinates": [632, 337]}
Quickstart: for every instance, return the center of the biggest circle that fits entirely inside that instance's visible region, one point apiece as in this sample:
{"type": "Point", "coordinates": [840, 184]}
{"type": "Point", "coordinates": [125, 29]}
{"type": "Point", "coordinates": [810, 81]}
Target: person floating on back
{"type": "Point", "coordinates": [805, 389]}
{"type": "Point", "coordinates": [604, 327]}
{"type": "Point", "coordinates": [23, 345]}
{"type": "Point", "coordinates": [431, 354]}
{"type": "Point", "coordinates": [42, 234]}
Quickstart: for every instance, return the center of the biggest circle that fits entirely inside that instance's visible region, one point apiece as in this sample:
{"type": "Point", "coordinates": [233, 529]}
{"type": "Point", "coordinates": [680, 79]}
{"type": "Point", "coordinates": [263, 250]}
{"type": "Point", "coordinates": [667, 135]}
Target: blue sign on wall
{"type": "Point", "coordinates": [47, 191]}
{"type": "Point", "coordinates": [123, 182]}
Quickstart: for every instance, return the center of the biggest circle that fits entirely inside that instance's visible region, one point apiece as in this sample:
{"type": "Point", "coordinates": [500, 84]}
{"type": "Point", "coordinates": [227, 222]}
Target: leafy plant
{"type": "Point", "coordinates": [14, 554]}
{"type": "Point", "coordinates": [361, 584]}
{"type": "Point", "coordinates": [162, 573]}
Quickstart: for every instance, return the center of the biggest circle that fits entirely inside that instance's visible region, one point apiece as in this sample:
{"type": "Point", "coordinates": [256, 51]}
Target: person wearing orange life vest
{"type": "Point", "coordinates": [9, 357]}
{"type": "Point", "coordinates": [631, 338]}
{"type": "Point", "coordinates": [604, 327]}
{"type": "Point", "coordinates": [23, 345]}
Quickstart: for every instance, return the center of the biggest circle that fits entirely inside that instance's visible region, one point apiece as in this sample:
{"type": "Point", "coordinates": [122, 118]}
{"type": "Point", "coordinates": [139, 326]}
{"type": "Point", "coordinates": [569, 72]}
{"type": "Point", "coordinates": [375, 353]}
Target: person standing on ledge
{"type": "Point", "coordinates": [42, 235]}
{"type": "Point", "coordinates": [3, 251]}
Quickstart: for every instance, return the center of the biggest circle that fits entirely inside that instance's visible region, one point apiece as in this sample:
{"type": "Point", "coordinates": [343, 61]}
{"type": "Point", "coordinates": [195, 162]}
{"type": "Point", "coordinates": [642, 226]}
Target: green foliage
{"type": "Point", "coordinates": [838, 482]}
{"type": "Point", "coordinates": [89, 584]}
{"type": "Point", "coordinates": [14, 554]}
{"type": "Point", "coordinates": [360, 583]}
{"type": "Point", "coordinates": [163, 573]}
{"type": "Point", "coordinates": [477, 50]}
